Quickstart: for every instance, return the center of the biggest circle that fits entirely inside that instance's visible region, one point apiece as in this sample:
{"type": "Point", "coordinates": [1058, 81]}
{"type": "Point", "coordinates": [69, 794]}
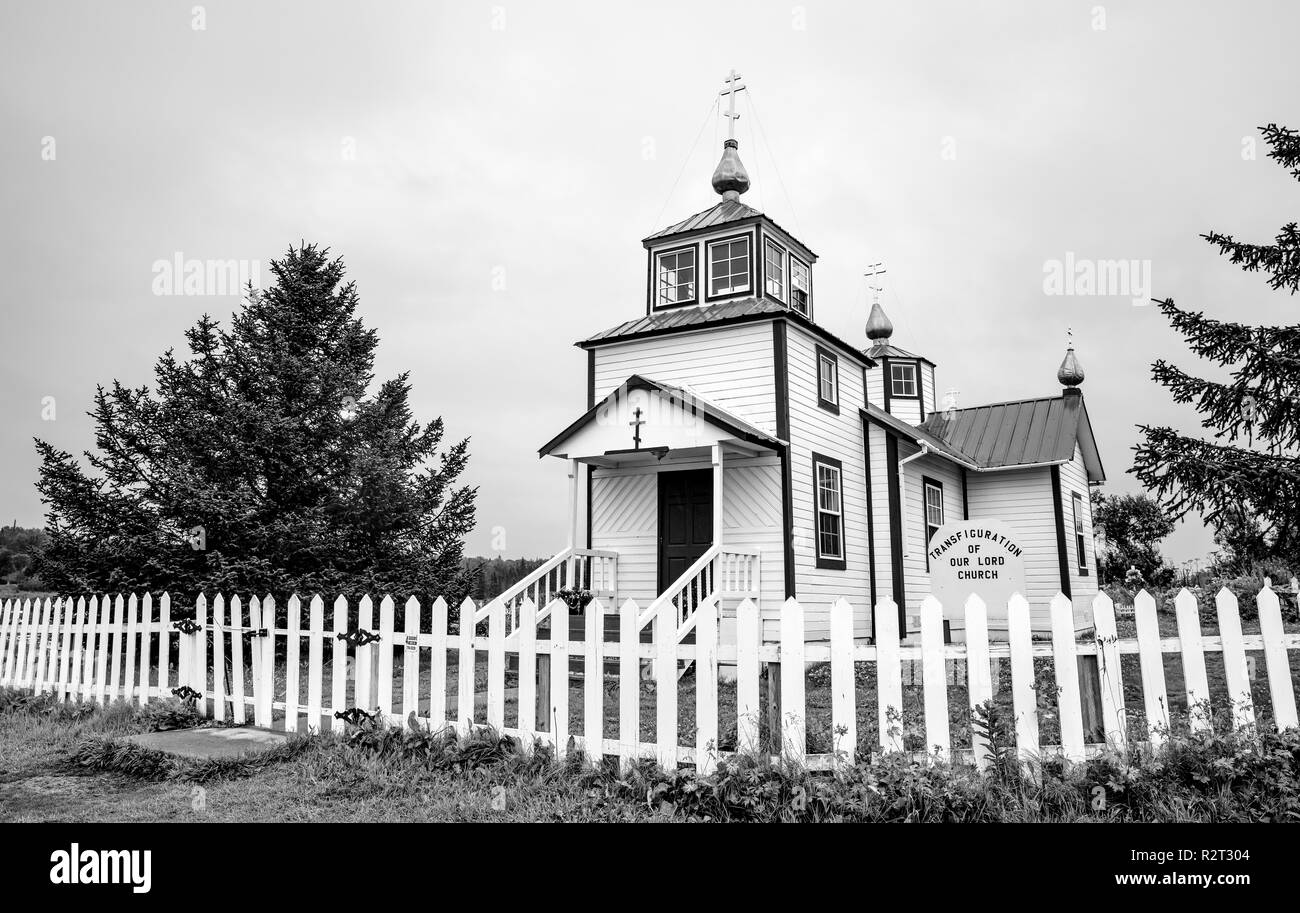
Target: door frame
{"type": "Point", "coordinates": [660, 583]}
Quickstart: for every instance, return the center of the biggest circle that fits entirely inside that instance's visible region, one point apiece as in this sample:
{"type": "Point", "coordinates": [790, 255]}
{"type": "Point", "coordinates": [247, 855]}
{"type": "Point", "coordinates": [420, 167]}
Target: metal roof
{"type": "Point", "coordinates": [888, 350]}
{"type": "Point", "coordinates": [735, 310]}
{"type": "Point", "coordinates": [717, 214]}
{"type": "Point", "coordinates": [917, 434]}
{"type": "Point", "coordinates": [683, 317]}
{"type": "Point", "coordinates": [1020, 433]}
{"type": "Point", "coordinates": [721, 213]}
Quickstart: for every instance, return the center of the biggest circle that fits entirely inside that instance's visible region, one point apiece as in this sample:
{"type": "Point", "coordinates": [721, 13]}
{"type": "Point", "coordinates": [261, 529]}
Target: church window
{"type": "Point", "coordinates": [828, 380]}
{"type": "Point", "coordinates": [902, 379]}
{"type": "Point", "coordinates": [774, 269]}
{"type": "Point", "coordinates": [729, 266]}
{"type": "Point", "coordinates": [1080, 543]}
{"type": "Point", "coordinates": [830, 512]}
{"type": "Point", "coordinates": [933, 511]}
{"type": "Point", "coordinates": [676, 277]}
{"type": "Point", "coordinates": [799, 286]}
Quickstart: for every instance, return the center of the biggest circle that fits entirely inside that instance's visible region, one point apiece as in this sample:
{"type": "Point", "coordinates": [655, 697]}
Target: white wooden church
{"type": "Point", "coordinates": [732, 446]}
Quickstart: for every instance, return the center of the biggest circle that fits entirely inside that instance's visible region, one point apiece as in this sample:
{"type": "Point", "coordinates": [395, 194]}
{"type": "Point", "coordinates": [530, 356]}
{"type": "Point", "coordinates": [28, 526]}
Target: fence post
{"type": "Point", "coordinates": [1067, 678]}
{"type": "Point", "coordinates": [793, 731]}
{"type": "Point", "coordinates": [706, 686]}
{"type": "Point", "coordinates": [1090, 698]}
{"type": "Point", "coordinates": [844, 718]}
{"type": "Point", "coordinates": [266, 646]}
{"type": "Point", "coordinates": [199, 655]}
{"type": "Point", "coordinates": [292, 663]}
{"type": "Point", "coordinates": [465, 670]}
{"type": "Point", "coordinates": [980, 684]}
{"type": "Point", "coordinates": [748, 635]}
{"type": "Point", "coordinates": [438, 665]}
{"type": "Point", "coordinates": [526, 631]}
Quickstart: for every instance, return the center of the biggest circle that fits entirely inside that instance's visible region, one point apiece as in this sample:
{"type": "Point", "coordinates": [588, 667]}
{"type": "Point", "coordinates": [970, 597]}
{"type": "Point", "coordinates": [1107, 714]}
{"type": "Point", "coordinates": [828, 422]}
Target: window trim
{"type": "Point", "coordinates": [828, 562]}
{"type": "Point", "coordinates": [748, 238]}
{"type": "Point", "coordinates": [783, 255]}
{"type": "Point", "coordinates": [655, 302]}
{"type": "Point", "coordinates": [1080, 540]}
{"type": "Point", "coordinates": [807, 268]}
{"type": "Point", "coordinates": [821, 353]}
{"type": "Point", "coordinates": [916, 378]}
{"type": "Point", "coordinates": [926, 484]}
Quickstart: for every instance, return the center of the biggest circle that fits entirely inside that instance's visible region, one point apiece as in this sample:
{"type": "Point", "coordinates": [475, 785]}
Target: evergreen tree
{"type": "Point", "coordinates": [1246, 480]}
{"type": "Point", "coordinates": [260, 465]}
{"type": "Point", "coordinates": [1131, 528]}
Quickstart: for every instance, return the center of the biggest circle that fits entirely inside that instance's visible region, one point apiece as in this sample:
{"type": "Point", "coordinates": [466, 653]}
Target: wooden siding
{"type": "Point", "coordinates": [1023, 500]}
{"type": "Point", "coordinates": [729, 366]}
{"type": "Point", "coordinates": [1074, 479]}
{"type": "Point", "coordinates": [915, 574]}
{"type": "Point", "coordinates": [817, 430]}
{"type": "Point", "coordinates": [624, 519]}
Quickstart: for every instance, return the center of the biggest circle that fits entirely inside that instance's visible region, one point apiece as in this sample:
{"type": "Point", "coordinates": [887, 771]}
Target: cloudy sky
{"type": "Point", "coordinates": [487, 170]}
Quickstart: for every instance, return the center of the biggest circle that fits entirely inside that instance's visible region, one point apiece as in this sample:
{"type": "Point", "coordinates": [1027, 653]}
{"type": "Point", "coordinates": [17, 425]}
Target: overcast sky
{"type": "Point", "coordinates": [441, 146]}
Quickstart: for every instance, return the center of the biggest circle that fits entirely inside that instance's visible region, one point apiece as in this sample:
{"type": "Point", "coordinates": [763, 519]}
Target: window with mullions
{"type": "Point", "coordinates": [800, 286]}
{"type": "Point", "coordinates": [676, 277]}
{"type": "Point", "coordinates": [729, 266]}
{"type": "Point", "coordinates": [829, 503]}
{"type": "Point", "coordinates": [774, 269]}
{"type": "Point", "coordinates": [902, 379]}
{"type": "Point", "coordinates": [933, 511]}
{"type": "Point", "coordinates": [1080, 543]}
{"type": "Point", "coordinates": [828, 380]}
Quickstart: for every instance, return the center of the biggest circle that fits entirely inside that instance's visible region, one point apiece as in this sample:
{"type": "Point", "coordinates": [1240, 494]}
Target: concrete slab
{"type": "Point", "coordinates": [228, 742]}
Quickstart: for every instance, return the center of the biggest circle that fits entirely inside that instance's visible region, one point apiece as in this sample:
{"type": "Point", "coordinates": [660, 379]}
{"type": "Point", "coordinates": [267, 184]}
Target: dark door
{"type": "Point", "coordinates": [685, 521]}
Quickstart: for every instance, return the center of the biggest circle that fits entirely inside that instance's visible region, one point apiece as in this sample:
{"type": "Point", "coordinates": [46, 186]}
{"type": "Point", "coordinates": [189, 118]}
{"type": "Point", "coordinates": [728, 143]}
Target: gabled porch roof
{"type": "Point", "coordinates": [647, 417]}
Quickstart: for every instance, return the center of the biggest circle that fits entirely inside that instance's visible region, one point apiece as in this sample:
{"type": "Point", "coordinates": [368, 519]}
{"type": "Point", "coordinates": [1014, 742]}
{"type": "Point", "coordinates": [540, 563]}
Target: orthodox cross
{"type": "Point", "coordinates": [873, 270]}
{"type": "Point", "coordinates": [734, 85]}
{"type": "Point", "coordinates": [636, 423]}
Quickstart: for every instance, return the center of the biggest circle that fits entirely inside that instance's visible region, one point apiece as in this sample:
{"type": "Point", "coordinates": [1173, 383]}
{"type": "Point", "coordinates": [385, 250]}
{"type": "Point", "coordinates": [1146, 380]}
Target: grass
{"type": "Point", "coordinates": [61, 763]}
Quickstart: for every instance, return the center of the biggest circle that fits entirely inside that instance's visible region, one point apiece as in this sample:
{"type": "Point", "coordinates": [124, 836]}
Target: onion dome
{"type": "Point", "coordinates": [878, 326]}
{"type": "Point", "coordinates": [730, 178]}
{"type": "Point", "coordinates": [1070, 373]}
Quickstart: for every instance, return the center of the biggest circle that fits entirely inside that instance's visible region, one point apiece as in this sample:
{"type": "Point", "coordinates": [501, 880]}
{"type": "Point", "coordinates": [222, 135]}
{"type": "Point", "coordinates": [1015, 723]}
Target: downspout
{"type": "Point", "coordinates": [902, 489]}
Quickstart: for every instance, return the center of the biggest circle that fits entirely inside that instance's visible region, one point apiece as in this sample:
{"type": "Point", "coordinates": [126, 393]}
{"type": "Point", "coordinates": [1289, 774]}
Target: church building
{"type": "Point", "coordinates": [733, 446]}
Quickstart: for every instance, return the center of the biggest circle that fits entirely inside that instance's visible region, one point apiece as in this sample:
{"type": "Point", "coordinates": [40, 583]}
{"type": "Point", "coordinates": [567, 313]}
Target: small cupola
{"type": "Point", "coordinates": [879, 329]}
{"type": "Point", "coordinates": [730, 178]}
{"type": "Point", "coordinates": [1070, 374]}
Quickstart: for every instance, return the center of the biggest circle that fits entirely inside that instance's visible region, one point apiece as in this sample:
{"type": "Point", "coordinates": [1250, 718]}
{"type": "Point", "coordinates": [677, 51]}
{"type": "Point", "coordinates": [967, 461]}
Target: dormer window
{"type": "Point", "coordinates": [799, 286]}
{"type": "Point", "coordinates": [676, 271]}
{"type": "Point", "coordinates": [729, 266]}
{"type": "Point", "coordinates": [774, 269]}
{"type": "Point", "coordinates": [902, 379]}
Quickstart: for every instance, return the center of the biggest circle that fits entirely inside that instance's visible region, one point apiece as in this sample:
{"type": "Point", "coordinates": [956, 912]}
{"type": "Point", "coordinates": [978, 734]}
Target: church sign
{"type": "Point", "coordinates": [983, 557]}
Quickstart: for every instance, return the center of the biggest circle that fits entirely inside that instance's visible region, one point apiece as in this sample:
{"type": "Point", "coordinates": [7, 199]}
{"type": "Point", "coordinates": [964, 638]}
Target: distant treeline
{"type": "Point", "coordinates": [492, 576]}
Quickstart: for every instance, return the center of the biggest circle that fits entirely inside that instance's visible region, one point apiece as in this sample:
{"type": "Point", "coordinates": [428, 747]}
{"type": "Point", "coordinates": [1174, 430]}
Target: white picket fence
{"type": "Point", "coordinates": [106, 649]}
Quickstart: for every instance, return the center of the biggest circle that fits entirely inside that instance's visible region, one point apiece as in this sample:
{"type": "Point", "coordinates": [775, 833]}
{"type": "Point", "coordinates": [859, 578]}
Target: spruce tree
{"type": "Point", "coordinates": [1245, 480]}
{"type": "Point", "coordinates": [263, 463]}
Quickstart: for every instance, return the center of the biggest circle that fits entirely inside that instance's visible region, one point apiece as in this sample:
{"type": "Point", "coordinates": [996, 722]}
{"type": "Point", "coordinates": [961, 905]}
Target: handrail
{"type": "Point", "coordinates": [678, 585]}
{"type": "Point", "coordinates": [529, 579]}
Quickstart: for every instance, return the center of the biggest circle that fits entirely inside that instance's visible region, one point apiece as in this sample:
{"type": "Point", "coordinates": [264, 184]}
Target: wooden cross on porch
{"type": "Point", "coordinates": [734, 85]}
{"type": "Point", "coordinates": [636, 423]}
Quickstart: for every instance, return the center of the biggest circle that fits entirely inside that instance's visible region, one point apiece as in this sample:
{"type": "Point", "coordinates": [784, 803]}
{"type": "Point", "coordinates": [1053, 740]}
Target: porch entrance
{"type": "Point", "coordinates": [685, 521]}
